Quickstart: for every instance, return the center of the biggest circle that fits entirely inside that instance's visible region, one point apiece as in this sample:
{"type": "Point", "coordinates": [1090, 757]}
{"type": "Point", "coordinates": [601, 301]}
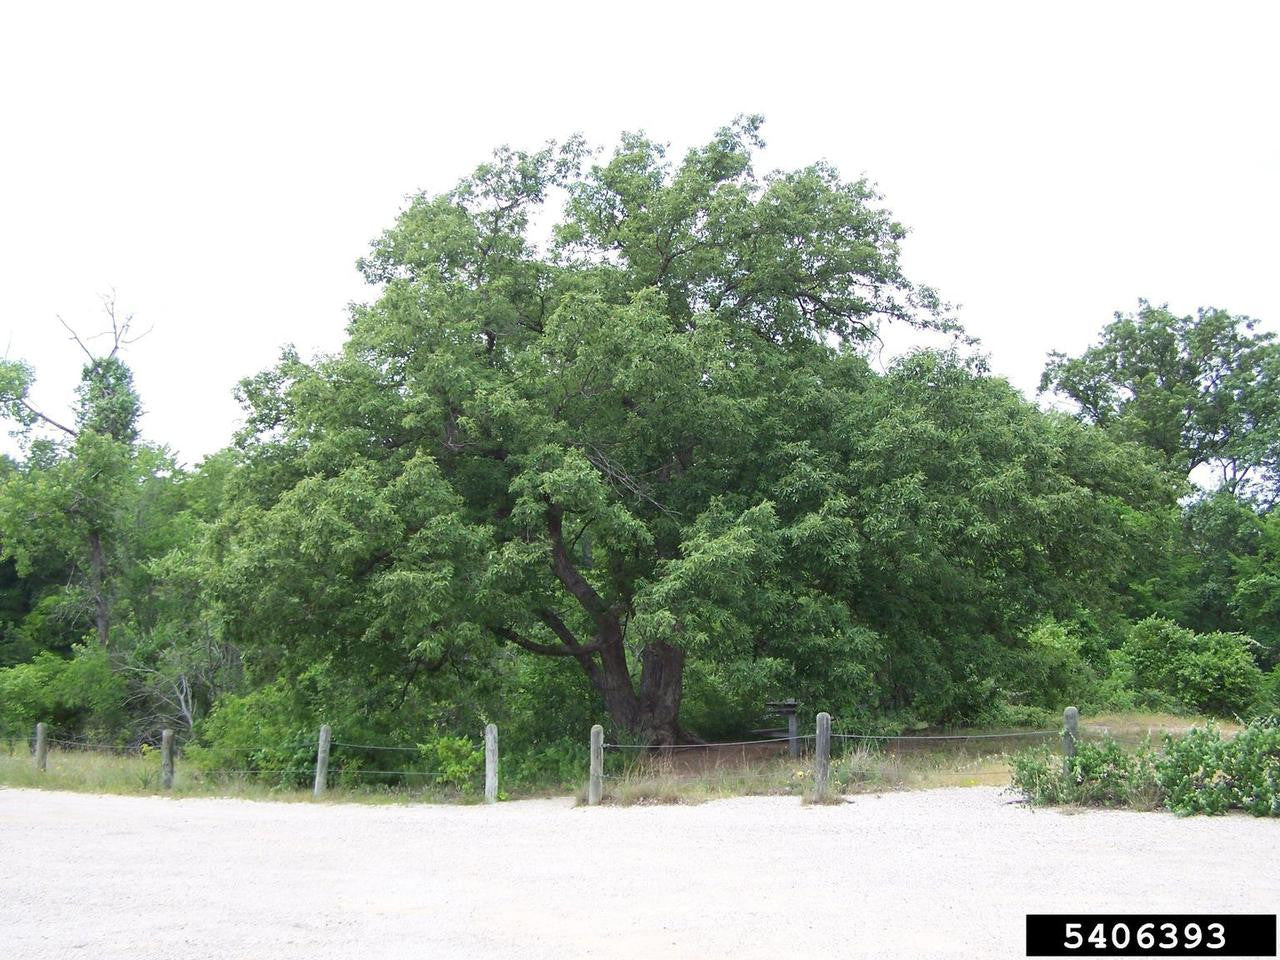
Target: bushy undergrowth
{"type": "Point", "coordinates": [81, 695]}
{"type": "Point", "coordinates": [1199, 772]}
{"type": "Point", "coordinates": [552, 766]}
{"type": "Point", "coordinates": [452, 761]}
{"type": "Point", "coordinates": [1101, 774]}
{"type": "Point", "coordinates": [259, 734]}
{"type": "Point", "coordinates": [1203, 773]}
{"type": "Point", "coordinates": [1209, 672]}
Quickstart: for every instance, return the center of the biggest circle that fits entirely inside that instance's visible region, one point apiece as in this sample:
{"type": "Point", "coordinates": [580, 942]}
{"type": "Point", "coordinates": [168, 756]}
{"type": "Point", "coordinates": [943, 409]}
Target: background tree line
{"type": "Point", "coordinates": [637, 468]}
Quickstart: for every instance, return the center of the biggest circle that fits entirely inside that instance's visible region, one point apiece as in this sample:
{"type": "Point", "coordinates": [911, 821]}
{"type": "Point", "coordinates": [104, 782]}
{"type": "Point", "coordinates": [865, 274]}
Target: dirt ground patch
{"type": "Point", "coordinates": [930, 874]}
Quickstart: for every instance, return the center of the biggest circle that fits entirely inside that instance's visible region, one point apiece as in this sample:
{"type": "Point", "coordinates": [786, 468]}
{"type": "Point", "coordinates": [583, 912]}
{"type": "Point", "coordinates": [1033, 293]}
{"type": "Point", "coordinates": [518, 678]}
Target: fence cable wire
{"type": "Point", "coordinates": [949, 736]}
{"type": "Point", "coordinates": [90, 745]}
{"type": "Point", "coordinates": [372, 746]}
{"type": "Point", "coordinates": [329, 775]}
{"type": "Point", "coordinates": [703, 746]}
{"type": "Point", "coordinates": [780, 782]}
{"type": "Point", "coordinates": [801, 737]}
{"type": "Point", "coordinates": [659, 751]}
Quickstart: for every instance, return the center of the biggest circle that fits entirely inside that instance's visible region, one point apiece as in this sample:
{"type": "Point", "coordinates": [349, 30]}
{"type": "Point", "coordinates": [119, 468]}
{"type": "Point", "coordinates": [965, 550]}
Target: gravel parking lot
{"type": "Point", "coordinates": [939, 873]}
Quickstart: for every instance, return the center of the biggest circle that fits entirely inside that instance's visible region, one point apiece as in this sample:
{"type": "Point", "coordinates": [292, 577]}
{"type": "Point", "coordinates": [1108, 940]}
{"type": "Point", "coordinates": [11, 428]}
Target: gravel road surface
{"type": "Point", "coordinates": [932, 874]}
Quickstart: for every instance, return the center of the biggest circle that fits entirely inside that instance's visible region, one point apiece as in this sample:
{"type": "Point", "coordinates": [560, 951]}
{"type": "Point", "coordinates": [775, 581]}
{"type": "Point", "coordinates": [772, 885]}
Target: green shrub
{"type": "Point", "coordinates": [1049, 671]}
{"type": "Point", "coordinates": [1106, 776]}
{"type": "Point", "coordinates": [82, 695]}
{"type": "Point", "coordinates": [1037, 775]}
{"type": "Point", "coordinates": [1014, 715]}
{"type": "Point", "coordinates": [1199, 772]}
{"type": "Point", "coordinates": [1193, 772]}
{"type": "Point", "coordinates": [1115, 688]}
{"type": "Point", "coordinates": [1269, 695]}
{"type": "Point", "coordinates": [1220, 677]}
{"type": "Point", "coordinates": [1256, 768]}
{"type": "Point", "coordinates": [1100, 775]}
{"type": "Point", "coordinates": [557, 765]}
{"type": "Point", "coordinates": [1202, 773]}
{"type": "Point", "coordinates": [452, 761]}
{"type": "Point", "coordinates": [265, 733]}
{"type": "Point", "coordinates": [1208, 672]}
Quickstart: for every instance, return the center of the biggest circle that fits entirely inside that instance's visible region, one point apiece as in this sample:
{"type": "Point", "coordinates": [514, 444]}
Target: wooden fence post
{"type": "Point", "coordinates": [42, 747]}
{"type": "Point", "coordinates": [822, 757]}
{"type": "Point", "coordinates": [322, 760]}
{"type": "Point", "coordinates": [793, 741]}
{"type": "Point", "coordinates": [595, 786]}
{"type": "Point", "coordinates": [1070, 732]}
{"type": "Point", "coordinates": [166, 759]}
{"type": "Point", "coordinates": [491, 763]}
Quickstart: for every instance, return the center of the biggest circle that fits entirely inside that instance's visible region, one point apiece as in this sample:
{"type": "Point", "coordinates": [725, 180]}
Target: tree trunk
{"type": "Point", "coordinates": [661, 689]}
{"type": "Point", "coordinates": [98, 588]}
{"type": "Point", "coordinates": [653, 715]}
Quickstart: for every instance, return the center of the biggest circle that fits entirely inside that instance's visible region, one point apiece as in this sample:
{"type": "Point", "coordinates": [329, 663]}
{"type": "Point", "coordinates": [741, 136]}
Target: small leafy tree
{"type": "Point", "coordinates": [1255, 597]}
{"type": "Point", "coordinates": [1210, 672]}
{"type": "Point", "coordinates": [70, 497]}
{"type": "Point", "coordinates": [100, 527]}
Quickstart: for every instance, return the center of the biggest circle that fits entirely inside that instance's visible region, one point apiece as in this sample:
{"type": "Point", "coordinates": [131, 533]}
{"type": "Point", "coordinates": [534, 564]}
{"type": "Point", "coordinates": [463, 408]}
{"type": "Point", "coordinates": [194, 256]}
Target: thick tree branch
{"type": "Point", "coordinates": [572, 579]}
{"type": "Point", "coordinates": [561, 630]}
{"type": "Point", "coordinates": [506, 633]}
{"type": "Point", "coordinates": [583, 654]}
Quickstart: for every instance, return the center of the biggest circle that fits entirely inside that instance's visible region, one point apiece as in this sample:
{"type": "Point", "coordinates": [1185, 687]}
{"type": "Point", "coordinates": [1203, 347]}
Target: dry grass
{"type": "Point", "coordinates": [88, 771]}
{"type": "Point", "coordinates": [872, 770]}
{"type": "Point", "coordinates": [681, 776]}
{"type": "Point", "coordinates": [647, 780]}
{"type": "Point", "coordinates": [859, 769]}
{"type": "Point", "coordinates": [96, 772]}
{"type": "Point", "coordinates": [1132, 727]}
{"type": "Point", "coordinates": [697, 775]}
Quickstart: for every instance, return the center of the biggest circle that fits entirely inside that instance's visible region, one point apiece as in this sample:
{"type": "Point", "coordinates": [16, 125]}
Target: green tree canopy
{"type": "Point", "coordinates": [1202, 390]}
{"type": "Point", "coordinates": [648, 446]}
{"type": "Point", "coordinates": [100, 528]}
{"type": "Point", "coordinates": [68, 497]}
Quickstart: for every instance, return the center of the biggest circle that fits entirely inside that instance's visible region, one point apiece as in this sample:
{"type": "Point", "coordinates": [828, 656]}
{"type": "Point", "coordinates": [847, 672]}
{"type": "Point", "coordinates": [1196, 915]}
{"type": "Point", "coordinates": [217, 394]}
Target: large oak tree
{"type": "Point", "coordinates": [643, 434]}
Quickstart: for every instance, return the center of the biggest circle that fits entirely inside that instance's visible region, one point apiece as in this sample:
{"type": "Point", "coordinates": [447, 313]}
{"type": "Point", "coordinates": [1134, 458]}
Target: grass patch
{"type": "Point", "coordinates": [1135, 726]}
{"type": "Point", "coordinates": [863, 768]}
{"type": "Point", "coordinates": [668, 780]}
{"type": "Point", "coordinates": [678, 776]}
{"type": "Point", "coordinates": [138, 774]}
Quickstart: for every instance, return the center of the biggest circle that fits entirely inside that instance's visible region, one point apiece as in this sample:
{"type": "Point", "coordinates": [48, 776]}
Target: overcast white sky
{"type": "Point", "coordinates": [221, 166]}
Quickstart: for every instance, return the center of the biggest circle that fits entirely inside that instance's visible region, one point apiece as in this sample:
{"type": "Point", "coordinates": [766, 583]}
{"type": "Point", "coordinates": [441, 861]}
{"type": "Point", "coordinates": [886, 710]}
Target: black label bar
{"type": "Point", "coordinates": [1151, 935]}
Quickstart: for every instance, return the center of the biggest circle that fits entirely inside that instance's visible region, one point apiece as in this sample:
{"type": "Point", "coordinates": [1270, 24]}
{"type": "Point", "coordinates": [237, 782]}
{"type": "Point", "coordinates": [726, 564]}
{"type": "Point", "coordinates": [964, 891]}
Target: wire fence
{"type": "Point", "coordinates": [352, 764]}
{"type": "Point", "coordinates": [789, 763]}
{"type": "Point", "coordinates": [116, 749]}
{"type": "Point", "coordinates": [809, 737]}
{"type": "Point", "coordinates": [333, 774]}
{"type": "Point", "coordinates": [706, 745]}
{"type": "Point", "coordinates": [347, 759]}
{"type": "Point", "coordinates": [292, 762]}
{"type": "Point", "coordinates": [743, 775]}
{"type": "Point", "coordinates": [945, 737]}
{"type": "Point", "coordinates": [374, 746]}
{"type": "Point", "coordinates": [851, 762]}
